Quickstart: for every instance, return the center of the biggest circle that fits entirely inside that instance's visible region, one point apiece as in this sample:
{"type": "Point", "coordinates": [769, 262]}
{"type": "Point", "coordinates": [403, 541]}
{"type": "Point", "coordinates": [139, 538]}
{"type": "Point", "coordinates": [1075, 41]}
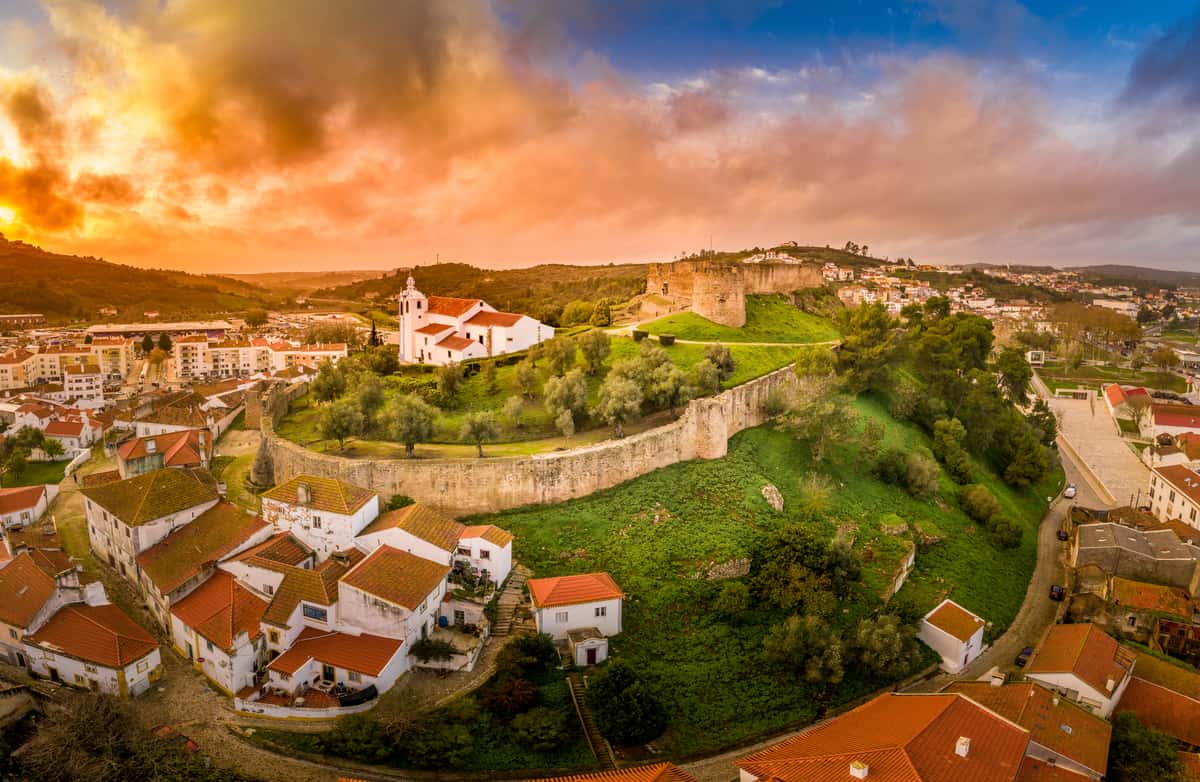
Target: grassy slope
{"type": "Point", "coordinates": [768, 319]}
{"type": "Point", "coordinates": [538, 433]}
{"type": "Point", "coordinates": [1058, 375]}
{"type": "Point", "coordinates": [37, 473]}
{"type": "Point", "coordinates": [656, 532]}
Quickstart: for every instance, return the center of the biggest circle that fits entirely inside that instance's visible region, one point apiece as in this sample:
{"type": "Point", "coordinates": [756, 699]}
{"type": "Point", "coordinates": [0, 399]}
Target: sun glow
{"type": "Point", "coordinates": [7, 214]}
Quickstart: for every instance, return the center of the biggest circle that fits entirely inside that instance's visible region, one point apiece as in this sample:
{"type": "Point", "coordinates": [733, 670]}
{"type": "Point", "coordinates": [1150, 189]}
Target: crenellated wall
{"type": "Point", "coordinates": [465, 486]}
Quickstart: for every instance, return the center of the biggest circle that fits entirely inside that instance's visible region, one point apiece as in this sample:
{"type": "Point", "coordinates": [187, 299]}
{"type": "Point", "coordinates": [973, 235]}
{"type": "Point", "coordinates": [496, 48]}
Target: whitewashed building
{"type": "Point", "coordinates": [1084, 664]}
{"type": "Point", "coordinates": [954, 633]}
{"type": "Point", "coordinates": [218, 628]}
{"type": "Point", "coordinates": [23, 505]}
{"type": "Point", "coordinates": [325, 513]}
{"type": "Point", "coordinates": [579, 611]}
{"type": "Point", "coordinates": [97, 648]}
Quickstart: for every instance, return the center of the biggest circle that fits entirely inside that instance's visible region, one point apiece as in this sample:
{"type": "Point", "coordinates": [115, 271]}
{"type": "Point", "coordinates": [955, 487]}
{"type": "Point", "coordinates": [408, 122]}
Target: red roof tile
{"type": "Point", "coordinates": [26, 588]}
{"type": "Point", "coordinates": [221, 610]}
{"type": "Point", "coordinates": [489, 532]}
{"type": "Point", "coordinates": [956, 621]}
{"type": "Point", "coordinates": [397, 576]}
{"type": "Point", "coordinates": [487, 318]}
{"type": "Point", "coordinates": [456, 343]}
{"type": "Point", "coordinates": [434, 328]}
{"type": "Point", "coordinates": [207, 539]}
{"type": "Point", "coordinates": [20, 498]}
{"type": "Point", "coordinates": [446, 305]}
{"type": "Point", "coordinates": [179, 449]}
{"type": "Point", "coordinates": [1183, 479]}
{"type": "Point", "coordinates": [364, 653]}
{"type": "Point", "coordinates": [1162, 709]}
{"type": "Point", "coordinates": [655, 772]}
{"type": "Point", "coordinates": [1034, 770]}
{"type": "Point", "coordinates": [64, 429]}
{"type": "Point", "coordinates": [570, 590]}
{"type": "Point", "coordinates": [1085, 651]}
{"type": "Point", "coordinates": [97, 634]}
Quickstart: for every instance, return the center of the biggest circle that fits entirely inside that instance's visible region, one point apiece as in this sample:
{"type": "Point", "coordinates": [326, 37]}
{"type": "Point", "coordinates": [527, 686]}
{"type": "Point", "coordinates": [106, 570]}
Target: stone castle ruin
{"type": "Point", "coordinates": [717, 290]}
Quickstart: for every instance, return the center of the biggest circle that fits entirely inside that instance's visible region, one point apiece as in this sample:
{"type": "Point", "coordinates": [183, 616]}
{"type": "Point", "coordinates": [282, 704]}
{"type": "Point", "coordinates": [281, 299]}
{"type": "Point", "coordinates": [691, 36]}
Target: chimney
{"type": "Point", "coordinates": [962, 747]}
{"type": "Point", "coordinates": [997, 679]}
{"type": "Point", "coordinates": [858, 769]}
{"type": "Point", "coordinates": [303, 493]}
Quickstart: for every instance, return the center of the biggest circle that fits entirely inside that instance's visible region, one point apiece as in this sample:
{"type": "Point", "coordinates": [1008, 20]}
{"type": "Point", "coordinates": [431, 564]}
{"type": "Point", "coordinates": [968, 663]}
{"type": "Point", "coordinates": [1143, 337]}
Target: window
{"type": "Point", "coordinates": [316, 522]}
{"type": "Point", "coordinates": [143, 666]}
{"type": "Point", "coordinates": [47, 655]}
{"type": "Point", "coordinates": [485, 554]}
{"type": "Point", "coordinates": [354, 676]}
{"type": "Point", "coordinates": [24, 515]}
{"type": "Point", "coordinates": [273, 636]}
{"type": "Point", "coordinates": [1133, 621]}
{"type": "Point", "coordinates": [601, 611]}
{"type": "Point", "coordinates": [1172, 497]}
{"type": "Point", "coordinates": [313, 612]}
{"type": "Point", "coordinates": [268, 589]}
{"type": "Point", "coordinates": [89, 668]}
{"type": "Point", "coordinates": [79, 679]}
{"type": "Point", "coordinates": [208, 645]}
{"type": "Point", "coordinates": [560, 617]}
{"type": "Point", "coordinates": [421, 608]}
{"type": "Point", "coordinates": [464, 551]}
{"type": "Point", "coordinates": [13, 634]}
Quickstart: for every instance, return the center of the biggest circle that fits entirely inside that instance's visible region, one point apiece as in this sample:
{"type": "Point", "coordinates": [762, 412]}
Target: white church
{"type": "Point", "coordinates": [442, 330]}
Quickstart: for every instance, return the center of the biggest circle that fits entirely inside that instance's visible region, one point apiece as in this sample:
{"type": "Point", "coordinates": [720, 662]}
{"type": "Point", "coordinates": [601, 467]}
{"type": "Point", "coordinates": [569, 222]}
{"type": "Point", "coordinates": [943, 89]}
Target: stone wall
{"type": "Point", "coordinates": [718, 294]}
{"type": "Point", "coordinates": [764, 278]}
{"type": "Point", "coordinates": [716, 290]}
{"type": "Point", "coordinates": [465, 486]}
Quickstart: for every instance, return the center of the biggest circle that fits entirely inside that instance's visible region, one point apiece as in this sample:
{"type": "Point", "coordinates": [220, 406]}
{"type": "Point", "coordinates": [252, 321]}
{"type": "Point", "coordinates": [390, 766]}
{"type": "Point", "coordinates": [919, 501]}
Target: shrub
{"type": "Point", "coordinates": [510, 696]}
{"type": "Point", "coordinates": [399, 501]}
{"type": "Point", "coordinates": [666, 340]}
{"type": "Point", "coordinates": [639, 335]}
{"type": "Point", "coordinates": [920, 475]}
{"type": "Point", "coordinates": [979, 503]}
{"type": "Point", "coordinates": [733, 599]}
{"type": "Point", "coordinates": [541, 729]}
{"type": "Point", "coordinates": [891, 465]}
{"type": "Point", "coordinates": [626, 712]}
{"type": "Point", "coordinates": [777, 402]}
{"type": "Point", "coordinates": [434, 744]}
{"type": "Point", "coordinates": [1005, 532]}
{"type": "Point", "coordinates": [816, 493]}
{"type": "Point", "coordinates": [359, 736]}
{"type": "Point", "coordinates": [531, 654]}
{"type": "Point", "coordinates": [428, 649]}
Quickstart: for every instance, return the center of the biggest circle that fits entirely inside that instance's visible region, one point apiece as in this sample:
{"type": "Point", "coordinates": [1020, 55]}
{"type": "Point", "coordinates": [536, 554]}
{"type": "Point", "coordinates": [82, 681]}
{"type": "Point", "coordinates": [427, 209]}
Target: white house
{"type": "Point", "coordinates": [127, 517]}
{"type": "Point", "coordinates": [418, 529]}
{"type": "Point", "coordinates": [325, 513]}
{"type": "Point", "coordinates": [96, 647]}
{"type": "Point", "coordinates": [393, 593]}
{"type": "Point", "coordinates": [588, 604]}
{"type": "Point", "coordinates": [954, 633]}
{"type": "Point", "coordinates": [444, 330]}
{"type": "Point", "coordinates": [218, 627]}
{"type": "Point", "coordinates": [1084, 664]}
{"type": "Point", "coordinates": [83, 382]}
{"type": "Point", "coordinates": [35, 584]}
{"type": "Point", "coordinates": [357, 661]}
{"type": "Point", "coordinates": [24, 505]}
{"type": "Point", "coordinates": [488, 549]}
{"type": "Point", "coordinates": [1174, 420]}
{"type": "Point", "coordinates": [1175, 494]}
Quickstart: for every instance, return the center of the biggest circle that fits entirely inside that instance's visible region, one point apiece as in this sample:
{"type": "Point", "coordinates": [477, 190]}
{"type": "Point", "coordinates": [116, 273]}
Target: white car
{"type": "Point", "coordinates": [1070, 491]}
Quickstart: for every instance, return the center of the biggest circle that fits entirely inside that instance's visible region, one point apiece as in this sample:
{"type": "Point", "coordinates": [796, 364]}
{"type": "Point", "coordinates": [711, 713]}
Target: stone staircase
{"type": "Point", "coordinates": [511, 603]}
{"type": "Point", "coordinates": [599, 746]}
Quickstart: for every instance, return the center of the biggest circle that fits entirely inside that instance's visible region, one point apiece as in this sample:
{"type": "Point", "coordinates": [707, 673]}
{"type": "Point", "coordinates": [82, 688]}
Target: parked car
{"type": "Point", "coordinates": [1024, 656]}
{"type": "Point", "coordinates": [1057, 592]}
{"type": "Point", "coordinates": [1063, 535]}
{"type": "Point", "coordinates": [1070, 491]}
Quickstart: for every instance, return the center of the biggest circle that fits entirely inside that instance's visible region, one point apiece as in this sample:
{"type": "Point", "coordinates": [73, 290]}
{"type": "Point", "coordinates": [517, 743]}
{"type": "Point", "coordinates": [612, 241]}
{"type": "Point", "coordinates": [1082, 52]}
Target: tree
{"type": "Point", "coordinates": [341, 420]}
{"type": "Point", "coordinates": [1139, 753]}
{"type": "Point", "coordinates": [147, 344]}
{"type": "Point", "coordinates": [368, 395]}
{"type": "Point", "coordinates": [489, 376]}
{"type": "Point", "coordinates": [1014, 374]}
{"type": "Point", "coordinates": [595, 346]}
{"type": "Point", "coordinates": [1139, 409]}
{"type": "Point", "coordinates": [885, 647]}
{"type": "Point", "coordinates": [868, 348]}
{"type": "Point", "coordinates": [920, 475]}
{"type": "Point", "coordinates": [525, 378]}
{"type": "Point", "coordinates": [668, 387]}
{"type": "Point", "coordinates": [164, 342]}
{"type": "Point", "coordinates": [576, 313]}
{"type": "Point", "coordinates": [807, 646]}
{"type": "Point", "coordinates": [409, 420]}
{"type": "Point", "coordinates": [156, 359]}
{"type": "Point", "coordinates": [625, 710]}
{"type": "Point", "coordinates": [793, 567]}
{"type": "Point", "coordinates": [257, 318]}
{"type": "Point", "coordinates": [541, 729]}
{"type": "Point", "coordinates": [818, 413]}
{"type": "Point", "coordinates": [1165, 357]}
{"type": "Point", "coordinates": [1042, 418]}
{"type": "Point", "coordinates": [14, 464]}
{"type": "Point", "coordinates": [1027, 460]}
{"type": "Point", "coordinates": [1146, 315]}
{"type": "Point", "coordinates": [449, 380]}
{"type": "Point", "coordinates": [602, 314]}
{"type": "Point", "coordinates": [706, 378]}
{"type": "Point", "coordinates": [53, 448]}
{"type": "Point", "coordinates": [948, 435]}
{"type": "Point", "coordinates": [560, 355]}
{"type": "Point", "coordinates": [373, 339]}
{"type": "Point", "coordinates": [815, 362]}
{"type": "Point", "coordinates": [565, 423]}
{"type": "Point", "coordinates": [733, 600]}
{"type": "Point", "coordinates": [722, 358]}
{"type": "Point", "coordinates": [568, 394]}
{"type": "Point", "coordinates": [979, 503]}
{"type": "Point", "coordinates": [329, 384]}
{"type": "Point", "coordinates": [512, 411]}
{"type": "Point", "coordinates": [620, 403]}
{"type": "Point", "coordinates": [479, 427]}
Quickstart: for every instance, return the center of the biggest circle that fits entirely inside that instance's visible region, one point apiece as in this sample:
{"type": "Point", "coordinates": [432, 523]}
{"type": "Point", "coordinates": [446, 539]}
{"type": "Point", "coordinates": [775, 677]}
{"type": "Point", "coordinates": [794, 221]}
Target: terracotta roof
{"type": "Point", "coordinates": [154, 495]}
{"type": "Point", "coordinates": [1163, 709]}
{"type": "Point", "coordinates": [364, 653]}
{"type": "Point", "coordinates": [18, 356]}
{"type": "Point", "coordinates": [318, 586]}
{"type": "Point", "coordinates": [901, 738]}
{"type": "Point", "coordinates": [456, 343]}
{"type": "Point", "coordinates": [397, 576]}
{"type": "Point", "coordinates": [20, 498]}
{"type": "Point", "coordinates": [1151, 597]}
{"type": "Point", "coordinates": [207, 539]}
{"type": "Point", "coordinates": [1189, 442]}
{"type": "Point", "coordinates": [1085, 651]}
{"type": "Point", "coordinates": [446, 305]}
{"type": "Point", "coordinates": [64, 429]}
{"type": "Point", "coordinates": [569, 590]}
{"type": "Point", "coordinates": [487, 318]}
{"type": "Point", "coordinates": [1056, 723]}
{"type": "Point", "coordinates": [1034, 770]}
{"type": "Point", "coordinates": [283, 548]}
{"type": "Point", "coordinates": [1172, 675]}
{"type": "Point", "coordinates": [1183, 479]}
{"type": "Point", "coordinates": [100, 478]}
{"type": "Point", "coordinates": [178, 449]}
{"type": "Point", "coordinates": [26, 588]}
{"type": "Point", "coordinates": [51, 561]}
{"type": "Point", "coordinates": [489, 532]}
{"type": "Point", "coordinates": [327, 494]}
{"type": "Point", "coordinates": [98, 634]}
{"type": "Point", "coordinates": [421, 521]}
{"type": "Point", "coordinates": [655, 772]}
{"type": "Point", "coordinates": [953, 619]}
{"type": "Point", "coordinates": [1115, 395]}
{"type": "Point", "coordinates": [434, 328]}
{"type": "Point", "coordinates": [221, 609]}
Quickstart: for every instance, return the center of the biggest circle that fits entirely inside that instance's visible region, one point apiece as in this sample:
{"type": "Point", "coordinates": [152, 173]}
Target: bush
{"type": "Point", "coordinates": [511, 696]}
{"type": "Point", "coordinates": [891, 466]}
{"type": "Point", "coordinates": [359, 736]}
{"type": "Point", "coordinates": [434, 744]}
{"type": "Point", "coordinates": [528, 654]}
{"type": "Point", "coordinates": [428, 649]}
{"type": "Point", "coordinates": [541, 729]}
{"type": "Point", "coordinates": [733, 600]}
{"type": "Point", "coordinates": [777, 402]}
{"type": "Point", "coordinates": [1005, 532]}
{"type": "Point", "coordinates": [666, 340]}
{"type": "Point", "coordinates": [626, 712]}
{"type": "Point", "coordinates": [979, 503]}
{"type": "Point", "coordinates": [399, 501]}
{"type": "Point", "coordinates": [639, 335]}
{"type": "Point", "coordinates": [920, 475]}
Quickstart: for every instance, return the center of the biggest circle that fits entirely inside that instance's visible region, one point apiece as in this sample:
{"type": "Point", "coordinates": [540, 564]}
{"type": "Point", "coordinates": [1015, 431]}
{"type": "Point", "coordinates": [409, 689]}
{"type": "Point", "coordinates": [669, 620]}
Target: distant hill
{"type": "Point", "coordinates": [534, 290]}
{"type": "Point", "coordinates": [68, 288]}
{"type": "Point", "coordinates": [1138, 276]}
{"type": "Point", "coordinates": [300, 283]}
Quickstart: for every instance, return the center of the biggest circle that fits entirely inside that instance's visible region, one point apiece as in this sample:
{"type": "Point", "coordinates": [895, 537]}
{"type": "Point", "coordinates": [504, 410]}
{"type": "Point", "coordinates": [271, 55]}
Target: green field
{"type": "Point", "coordinates": [36, 473]}
{"type": "Point", "coordinates": [1186, 337]}
{"type": "Point", "coordinates": [537, 433]}
{"type": "Point", "coordinates": [768, 319]}
{"type": "Point", "coordinates": [1057, 374]}
{"type": "Point", "coordinates": [659, 534]}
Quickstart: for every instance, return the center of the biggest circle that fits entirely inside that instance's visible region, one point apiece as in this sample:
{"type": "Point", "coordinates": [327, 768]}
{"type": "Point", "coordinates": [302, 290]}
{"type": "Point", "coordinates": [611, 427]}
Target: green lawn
{"type": "Point", "coordinates": [1057, 375]}
{"type": "Point", "coordinates": [38, 472]}
{"type": "Point", "coordinates": [768, 319]}
{"type": "Point", "coordinates": [537, 433]}
{"type": "Point", "coordinates": [658, 535]}
{"type": "Point", "coordinates": [1189, 337]}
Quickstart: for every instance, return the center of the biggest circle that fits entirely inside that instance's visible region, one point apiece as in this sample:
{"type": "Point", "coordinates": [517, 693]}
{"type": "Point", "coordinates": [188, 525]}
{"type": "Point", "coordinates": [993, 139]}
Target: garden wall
{"type": "Point", "coordinates": [464, 486]}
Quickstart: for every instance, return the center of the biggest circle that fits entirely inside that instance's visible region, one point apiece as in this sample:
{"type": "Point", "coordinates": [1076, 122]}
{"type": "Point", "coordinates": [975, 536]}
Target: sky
{"type": "Point", "coordinates": [234, 136]}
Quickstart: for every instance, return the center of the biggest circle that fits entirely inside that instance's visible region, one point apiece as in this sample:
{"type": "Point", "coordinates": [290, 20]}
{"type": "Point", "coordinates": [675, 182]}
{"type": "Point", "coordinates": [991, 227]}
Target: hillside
{"type": "Point", "coordinates": [68, 288]}
{"type": "Point", "coordinates": [532, 290]}
{"type": "Point", "coordinates": [1138, 277]}
{"type": "Point", "coordinates": [301, 283]}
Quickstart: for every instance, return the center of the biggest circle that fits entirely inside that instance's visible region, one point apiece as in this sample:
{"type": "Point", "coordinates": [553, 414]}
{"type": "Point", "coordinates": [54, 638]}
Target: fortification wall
{"type": "Point", "coordinates": [465, 486]}
{"type": "Point", "coordinates": [763, 278]}
{"type": "Point", "coordinates": [717, 291]}
{"type": "Point", "coordinates": [718, 294]}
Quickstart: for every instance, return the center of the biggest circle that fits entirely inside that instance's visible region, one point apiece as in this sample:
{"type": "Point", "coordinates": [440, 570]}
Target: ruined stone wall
{"type": "Point", "coordinates": [764, 278]}
{"type": "Point", "coordinates": [717, 290]}
{"type": "Point", "coordinates": [718, 294]}
{"type": "Point", "coordinates": [465, 486]}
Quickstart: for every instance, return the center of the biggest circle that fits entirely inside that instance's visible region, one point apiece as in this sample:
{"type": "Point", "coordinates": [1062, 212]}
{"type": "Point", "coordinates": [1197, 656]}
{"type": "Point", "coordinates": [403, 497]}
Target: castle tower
{"type": "Point", "coordinates": [413, 308]}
